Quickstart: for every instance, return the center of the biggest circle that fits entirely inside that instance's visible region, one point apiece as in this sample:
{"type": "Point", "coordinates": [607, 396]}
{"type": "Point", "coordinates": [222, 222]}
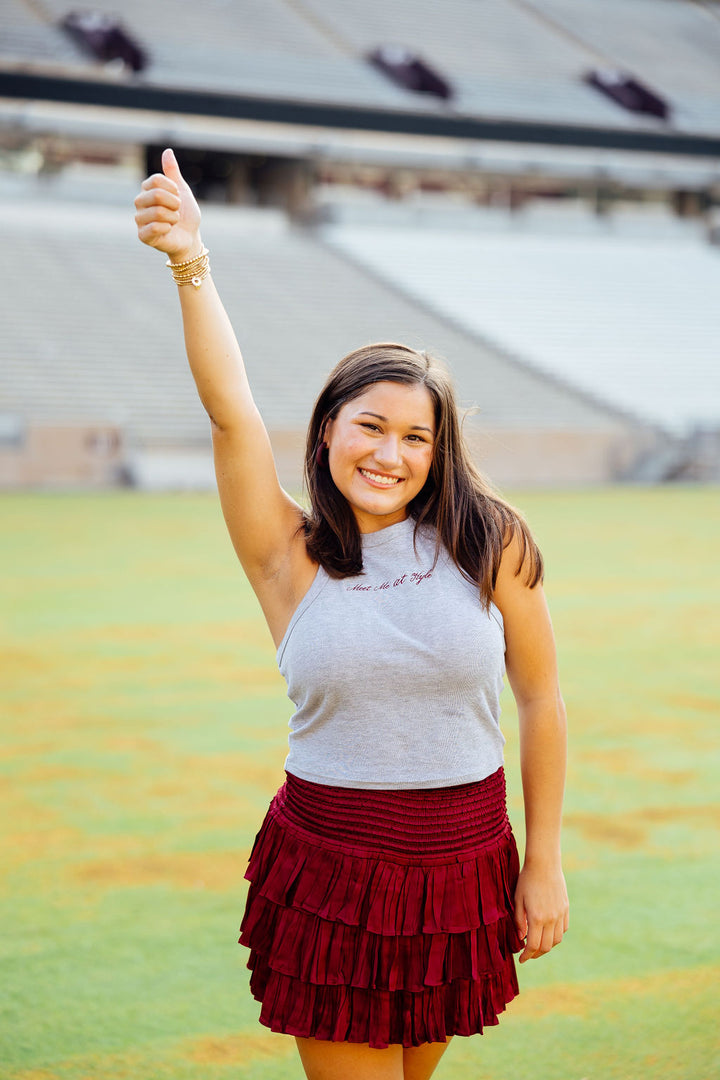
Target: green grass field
{"type": "Point", "coordinates": [144, 732]}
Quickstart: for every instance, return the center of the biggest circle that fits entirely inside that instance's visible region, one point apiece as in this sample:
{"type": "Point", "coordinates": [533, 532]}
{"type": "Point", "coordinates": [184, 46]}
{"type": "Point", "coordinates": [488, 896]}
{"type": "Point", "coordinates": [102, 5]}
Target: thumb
{"type": "Point", "coordinates": [520, 915]}
{"type": "Point", "coordinates": [170, 166]}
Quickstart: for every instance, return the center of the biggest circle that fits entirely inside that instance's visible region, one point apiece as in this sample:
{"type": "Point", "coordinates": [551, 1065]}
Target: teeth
{"type": "Point", "coordinates": [388, 481]}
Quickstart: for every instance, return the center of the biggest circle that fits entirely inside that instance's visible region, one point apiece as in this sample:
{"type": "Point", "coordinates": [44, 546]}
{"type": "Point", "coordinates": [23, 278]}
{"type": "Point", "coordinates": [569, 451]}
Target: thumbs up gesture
{"type": "Point", "coordinates": [168, 216]}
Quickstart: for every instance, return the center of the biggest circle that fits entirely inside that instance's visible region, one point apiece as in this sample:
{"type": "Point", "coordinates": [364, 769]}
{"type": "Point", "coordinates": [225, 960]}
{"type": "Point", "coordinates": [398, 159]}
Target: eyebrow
{"type": "Point", "coordinates": [413, 427]}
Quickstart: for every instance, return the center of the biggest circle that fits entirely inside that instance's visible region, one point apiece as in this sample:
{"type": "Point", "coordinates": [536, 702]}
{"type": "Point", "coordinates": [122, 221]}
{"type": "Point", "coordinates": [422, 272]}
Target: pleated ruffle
{"type": "Point", "coordinates": [372, 918]}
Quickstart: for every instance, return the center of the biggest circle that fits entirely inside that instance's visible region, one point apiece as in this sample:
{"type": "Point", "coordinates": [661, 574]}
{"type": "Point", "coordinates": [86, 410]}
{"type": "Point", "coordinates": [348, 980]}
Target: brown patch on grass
{"type": "Point", "coordinates": [631, 831]}
{"type": "Point", "coordinates": [668, 815]}
{"type": "Point", "coordinates": [677, 779]}
{"type": "Point", "coordinates": [218, 871]}
{"type": "Point", "coordinates": [240, 1049]}
{"type": "Point", "coordinates": [623, 763]}
{"type": "Point", "coordinates": [49, 772]}
{"type": "Point", "coordinates": [27, 824]}
{"type": "Point", "coordinates": [264, 774]}
{"type": "Point", "coordinates": [103, 1066]}
{"type": "Point", "coordinates": [568, 1000]}
{"type": "Point", "coordinates": [35, 1074]}
{"type": "Point", "coordinates": [606, 829]}
{"type": "Point", "coordinates": [695, 701]}
{"type": "Point", "coordinates": [245, 630]}
{"type": "Point", "coordinates": [586, 999]}
{"type": "Point", "coordinates": [16, 751]}
{"type": "Point", "coordinates": [31, 845]}
{"type": "Point", "coordinates": [22, 812]}
{"type": "Point", "coordinates": [134, 744]}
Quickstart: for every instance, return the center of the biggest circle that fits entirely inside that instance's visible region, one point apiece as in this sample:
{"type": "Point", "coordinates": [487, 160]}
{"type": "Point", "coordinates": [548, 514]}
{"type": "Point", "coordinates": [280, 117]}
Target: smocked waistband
{"type": "Point", "coordinates": [422, 822]}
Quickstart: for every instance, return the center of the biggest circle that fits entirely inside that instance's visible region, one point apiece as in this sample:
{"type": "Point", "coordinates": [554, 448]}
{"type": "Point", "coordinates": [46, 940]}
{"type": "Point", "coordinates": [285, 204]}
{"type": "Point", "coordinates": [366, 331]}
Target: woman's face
{"type": "Point", "coordinates": [380, 448]}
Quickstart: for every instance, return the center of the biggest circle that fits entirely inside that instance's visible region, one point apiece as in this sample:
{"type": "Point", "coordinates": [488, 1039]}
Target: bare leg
{"type": "Point", "coordinates": [324, 1060]}
{"type": "Point", "coordinates": [419, 1062]}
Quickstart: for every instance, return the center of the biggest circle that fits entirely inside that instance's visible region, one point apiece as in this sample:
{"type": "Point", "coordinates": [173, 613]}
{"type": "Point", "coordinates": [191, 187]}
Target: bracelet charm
{"type": "Point", "coordinates": [193, 271]}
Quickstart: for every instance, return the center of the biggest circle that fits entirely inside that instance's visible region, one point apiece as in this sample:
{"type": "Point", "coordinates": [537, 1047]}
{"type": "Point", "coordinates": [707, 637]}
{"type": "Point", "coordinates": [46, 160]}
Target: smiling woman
{"type": "Point", "coordinates": [379, 463]}
{"type": "Point", "coordinates": [386, 898]}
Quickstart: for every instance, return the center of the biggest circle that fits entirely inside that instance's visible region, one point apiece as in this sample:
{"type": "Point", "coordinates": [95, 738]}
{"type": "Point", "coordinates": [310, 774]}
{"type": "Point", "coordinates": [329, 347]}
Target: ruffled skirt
{"type": "Point", "coordinates": [383, 917]}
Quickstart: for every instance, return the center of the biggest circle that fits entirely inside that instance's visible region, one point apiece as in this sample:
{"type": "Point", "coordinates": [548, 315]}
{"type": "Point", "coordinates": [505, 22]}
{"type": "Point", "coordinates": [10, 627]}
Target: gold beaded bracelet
{"type": "Point", "coordinates": [193, 271]}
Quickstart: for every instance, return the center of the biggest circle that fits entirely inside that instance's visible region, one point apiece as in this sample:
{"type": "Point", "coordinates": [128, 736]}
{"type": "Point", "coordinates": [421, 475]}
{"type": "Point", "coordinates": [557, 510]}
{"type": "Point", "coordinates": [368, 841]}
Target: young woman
{"type": "Point", "coordinates": [386, 898]}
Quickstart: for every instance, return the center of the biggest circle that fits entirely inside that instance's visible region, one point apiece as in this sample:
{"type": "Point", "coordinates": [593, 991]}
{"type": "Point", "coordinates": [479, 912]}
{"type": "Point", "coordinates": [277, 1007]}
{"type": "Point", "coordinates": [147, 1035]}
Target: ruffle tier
{"type": "Point", "coordinates": [368, 940]}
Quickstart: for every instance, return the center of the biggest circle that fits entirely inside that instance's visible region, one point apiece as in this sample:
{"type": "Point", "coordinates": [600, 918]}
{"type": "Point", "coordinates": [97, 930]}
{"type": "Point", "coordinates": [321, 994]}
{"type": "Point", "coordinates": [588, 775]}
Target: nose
{"type": "Point", "coordinates": [388, 452]}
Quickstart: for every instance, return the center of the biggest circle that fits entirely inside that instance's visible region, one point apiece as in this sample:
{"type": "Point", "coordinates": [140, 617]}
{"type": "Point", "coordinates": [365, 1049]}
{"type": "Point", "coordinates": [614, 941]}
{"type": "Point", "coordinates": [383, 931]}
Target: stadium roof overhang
{"type": "Point", "coordinates": [139, 114]}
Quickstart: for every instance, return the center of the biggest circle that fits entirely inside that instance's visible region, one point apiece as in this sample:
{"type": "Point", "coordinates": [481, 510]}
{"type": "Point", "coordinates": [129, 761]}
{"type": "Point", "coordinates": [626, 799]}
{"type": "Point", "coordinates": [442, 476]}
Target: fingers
{"type": "Point", "coordinates": [542, 937]}
{"type": "Point", "coordinates": [156, 191]}
{"type": "Point", "coordinates": [156, 213]}
{"type": "Point", "coordinates": [158, 209]}
{"type": "Point", "coordinates": [153, 232]}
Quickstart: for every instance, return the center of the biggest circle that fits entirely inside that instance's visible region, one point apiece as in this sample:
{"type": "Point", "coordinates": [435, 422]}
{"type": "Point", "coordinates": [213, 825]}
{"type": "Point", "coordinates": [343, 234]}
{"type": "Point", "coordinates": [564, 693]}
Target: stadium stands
{"type": "Point", "coordinates": [623, 308]}
{"type": "Point", "coordinates": [261, 47]}
{"type": "Point", "coordinates": [31, 40]}
{"type": "Point", "coordinates": [519, 60]}
{"type": "Point", "coordinates": [585, 337]}
{"type": "Point", "coordinates": [502, 60]}
{"type": "Point", "coordinates": [643, 36]}
{"type": "Point", "coordinates": [91, 334]}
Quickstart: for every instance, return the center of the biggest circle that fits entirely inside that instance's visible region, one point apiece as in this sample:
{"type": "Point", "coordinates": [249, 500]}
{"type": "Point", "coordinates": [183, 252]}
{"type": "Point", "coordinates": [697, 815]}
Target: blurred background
{"type": "Point", "coordinates": [528, 188]}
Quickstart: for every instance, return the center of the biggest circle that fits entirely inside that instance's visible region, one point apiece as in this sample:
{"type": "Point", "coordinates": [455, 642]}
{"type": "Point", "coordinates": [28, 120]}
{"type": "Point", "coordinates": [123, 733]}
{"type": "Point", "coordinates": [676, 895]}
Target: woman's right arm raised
{"type": "Point", "coordinates": [263, 521]}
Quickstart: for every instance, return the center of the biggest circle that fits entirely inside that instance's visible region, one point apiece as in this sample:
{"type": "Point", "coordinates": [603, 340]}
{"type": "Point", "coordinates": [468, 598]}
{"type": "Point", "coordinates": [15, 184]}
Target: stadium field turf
{"type": "Point", "coordinates": [144, 732]}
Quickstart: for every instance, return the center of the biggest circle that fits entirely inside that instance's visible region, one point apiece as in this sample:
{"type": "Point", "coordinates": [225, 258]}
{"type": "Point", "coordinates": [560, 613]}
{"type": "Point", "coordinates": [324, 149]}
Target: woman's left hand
{"type": "Point", "coordinates": [541, 910]}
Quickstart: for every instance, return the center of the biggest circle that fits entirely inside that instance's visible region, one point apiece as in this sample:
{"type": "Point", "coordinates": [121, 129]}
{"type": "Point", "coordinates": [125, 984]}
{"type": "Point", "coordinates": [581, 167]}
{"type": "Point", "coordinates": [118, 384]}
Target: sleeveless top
{"type": "Point", "coordinates": [395, 673]}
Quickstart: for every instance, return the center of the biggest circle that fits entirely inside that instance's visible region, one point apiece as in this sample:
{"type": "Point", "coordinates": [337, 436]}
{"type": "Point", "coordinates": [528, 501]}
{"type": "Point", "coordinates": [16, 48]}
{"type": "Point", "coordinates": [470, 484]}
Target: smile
{"type": "Point", "coordinates": [377, 478]}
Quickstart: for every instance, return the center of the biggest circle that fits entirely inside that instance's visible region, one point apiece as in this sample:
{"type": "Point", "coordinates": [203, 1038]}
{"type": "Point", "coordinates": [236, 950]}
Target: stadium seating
{"type": "Point", "coordinates": [645, 35]}
{"type": "Point", "coordinates": [506, 60]}
{"type": "Point", "coordinates": [674, 46]}
{"type": "Point", "coordinates": [26, 37]}
{"type": "Point", "coordinates": [585, 340]}
{"type": "Point", "coordinates": [624, 309]}
{"type": "Point", "coordinates": [261, 47]}
{"type": "Point", "coordinates": [91, 332]}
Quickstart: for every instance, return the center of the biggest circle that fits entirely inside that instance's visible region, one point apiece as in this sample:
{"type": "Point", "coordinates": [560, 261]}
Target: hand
{"type": "Point", "coordinates": [541, 910]}
{"type": "Point", "coordinates": [168, 216]}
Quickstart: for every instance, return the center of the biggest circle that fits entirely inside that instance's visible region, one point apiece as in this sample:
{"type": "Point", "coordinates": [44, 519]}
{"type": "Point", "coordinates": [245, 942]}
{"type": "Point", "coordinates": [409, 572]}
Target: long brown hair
{"type": "Point", "coordinates": [472, 521]}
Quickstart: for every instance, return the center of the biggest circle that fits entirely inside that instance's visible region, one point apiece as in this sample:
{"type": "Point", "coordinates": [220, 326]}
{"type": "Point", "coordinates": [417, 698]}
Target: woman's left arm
{"type": "Point", "coordinates": [541, 902]}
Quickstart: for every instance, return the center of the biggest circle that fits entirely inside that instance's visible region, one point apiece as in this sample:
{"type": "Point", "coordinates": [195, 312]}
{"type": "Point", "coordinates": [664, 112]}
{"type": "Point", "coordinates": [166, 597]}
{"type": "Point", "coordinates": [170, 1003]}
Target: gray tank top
{"type": "Point", "coordinates": [395, 673]}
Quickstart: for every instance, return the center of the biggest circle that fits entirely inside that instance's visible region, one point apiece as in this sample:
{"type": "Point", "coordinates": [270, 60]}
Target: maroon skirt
{"type": "Point", "coordinates": [383, 917]}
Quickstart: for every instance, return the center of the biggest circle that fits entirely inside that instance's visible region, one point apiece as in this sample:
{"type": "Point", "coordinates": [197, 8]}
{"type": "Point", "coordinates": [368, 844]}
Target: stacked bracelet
{"type": "Point", "coordinates": [192, 272]}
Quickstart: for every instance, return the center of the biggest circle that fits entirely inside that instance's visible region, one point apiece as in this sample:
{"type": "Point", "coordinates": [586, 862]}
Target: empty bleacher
{"type": "Point", "coordinates": [91, 333]}
{"type": "Point", "coordinates": [644, 35]}
{"type": "Point", "coordinates": [28, 37]}
{"type": "Point", "coordinates": [624, 307]}
{"type": "Point", "coordinates": [519, 60]}
{"type": "Point", "coordinates": [260, 47]}
{"type": "Point", "coordinates": [585, 339]}
{"type": "Point", "coordinates": [501, 59]}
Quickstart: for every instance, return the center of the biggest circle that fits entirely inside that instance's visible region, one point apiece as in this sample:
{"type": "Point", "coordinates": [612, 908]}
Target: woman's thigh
{"type": "Point", "coordinates": [419, 1061]}
{"type": "Point", "coordinates": [323, 1060]}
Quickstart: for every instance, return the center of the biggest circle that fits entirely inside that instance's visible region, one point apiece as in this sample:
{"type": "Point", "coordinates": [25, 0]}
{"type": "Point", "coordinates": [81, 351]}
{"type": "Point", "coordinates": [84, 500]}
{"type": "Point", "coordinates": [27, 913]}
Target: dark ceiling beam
{"type": "Point", "coordinates": [134, 95]}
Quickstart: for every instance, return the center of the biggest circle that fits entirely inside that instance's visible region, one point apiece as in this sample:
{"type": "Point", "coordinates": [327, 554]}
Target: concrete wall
{"type": "Point", "coordinates": [64, 455]}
